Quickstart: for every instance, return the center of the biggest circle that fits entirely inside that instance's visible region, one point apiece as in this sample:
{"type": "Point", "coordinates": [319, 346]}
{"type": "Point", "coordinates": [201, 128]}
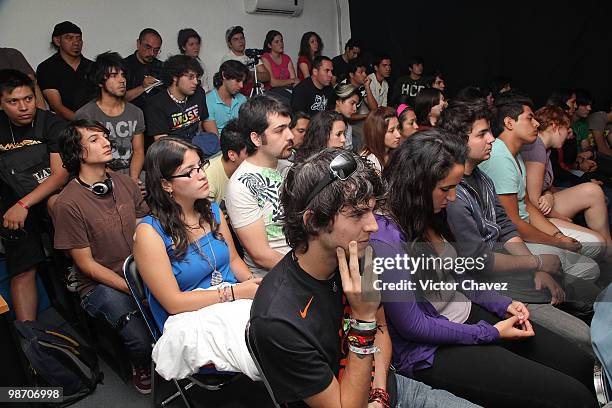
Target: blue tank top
{"type": "Point", "coordinates": [194, 270]}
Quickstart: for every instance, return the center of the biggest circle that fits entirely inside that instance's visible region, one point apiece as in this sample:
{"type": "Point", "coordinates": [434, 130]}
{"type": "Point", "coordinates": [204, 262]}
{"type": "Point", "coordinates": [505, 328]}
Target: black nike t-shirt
{"type": "Point", "coordinates": [295, 328]}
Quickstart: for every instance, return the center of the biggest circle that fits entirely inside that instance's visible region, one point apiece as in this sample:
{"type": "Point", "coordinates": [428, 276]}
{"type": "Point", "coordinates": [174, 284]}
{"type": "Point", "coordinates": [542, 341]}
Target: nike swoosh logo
{"type": "Point", "coordinates": [304, 312]}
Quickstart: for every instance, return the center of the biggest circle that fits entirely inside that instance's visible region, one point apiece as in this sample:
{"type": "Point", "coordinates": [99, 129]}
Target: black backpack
{"type": "Point", "coordinates": [58, 360]}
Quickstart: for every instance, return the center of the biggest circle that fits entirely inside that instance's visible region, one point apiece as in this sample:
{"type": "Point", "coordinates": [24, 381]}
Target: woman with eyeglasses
{"type": "Point", "coordinates": [185, 244]}
{"type": "Point", "coordinates": [445, 331]}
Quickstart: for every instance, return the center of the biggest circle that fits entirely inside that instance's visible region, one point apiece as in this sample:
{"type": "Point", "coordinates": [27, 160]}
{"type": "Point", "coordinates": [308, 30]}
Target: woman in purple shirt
{"type": "Point", "coordinates": [477, 344]}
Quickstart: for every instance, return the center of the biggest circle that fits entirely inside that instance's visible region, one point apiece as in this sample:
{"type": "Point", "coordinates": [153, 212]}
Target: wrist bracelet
{"type": "Point", "coordinates": [364, 351]}
{"type": "Point", "coordinates": [361, 325]}
{"type": "Point", "coordinates": [233, 297]}
{"type": "Point", "coordinates": [24, 205]}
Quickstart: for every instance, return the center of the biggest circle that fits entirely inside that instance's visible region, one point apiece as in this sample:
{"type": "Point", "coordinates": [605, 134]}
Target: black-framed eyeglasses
{"type": "Point", "coordinates": [189, 174]}
{"type": "Point", "coordinates": [340, 168]}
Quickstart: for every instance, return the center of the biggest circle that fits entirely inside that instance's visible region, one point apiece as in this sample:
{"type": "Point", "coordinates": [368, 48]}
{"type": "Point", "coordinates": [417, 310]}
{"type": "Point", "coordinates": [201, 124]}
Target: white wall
{"type": "Point", "coordinates": [114, 25]}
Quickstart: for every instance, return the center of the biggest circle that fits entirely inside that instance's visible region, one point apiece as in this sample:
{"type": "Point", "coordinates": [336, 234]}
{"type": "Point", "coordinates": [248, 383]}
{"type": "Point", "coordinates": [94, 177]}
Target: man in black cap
{"type": "Point", "coordinates": [62, 76]}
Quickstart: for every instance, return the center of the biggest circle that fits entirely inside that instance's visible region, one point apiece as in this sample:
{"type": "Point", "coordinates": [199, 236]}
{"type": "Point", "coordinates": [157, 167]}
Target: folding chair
{"type": "Point", "coordinates": [253, 352]}
{"type": "Point", "coordinates": [211, 382]}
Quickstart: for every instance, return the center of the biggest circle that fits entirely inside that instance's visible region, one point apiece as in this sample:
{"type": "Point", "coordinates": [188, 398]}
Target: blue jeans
{"type": "Point", "coordinates": [415, 394]}
{"type": "Point", "coordinates": [111, 305]}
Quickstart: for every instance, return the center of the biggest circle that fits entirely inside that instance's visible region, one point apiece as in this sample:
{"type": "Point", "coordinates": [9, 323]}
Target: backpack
{"type": "Point", "coordinates": [58, 360]}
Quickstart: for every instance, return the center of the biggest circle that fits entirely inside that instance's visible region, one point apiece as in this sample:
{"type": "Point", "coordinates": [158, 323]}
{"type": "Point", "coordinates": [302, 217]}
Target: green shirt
{"type": "Point", "coordinates": [508, 178]}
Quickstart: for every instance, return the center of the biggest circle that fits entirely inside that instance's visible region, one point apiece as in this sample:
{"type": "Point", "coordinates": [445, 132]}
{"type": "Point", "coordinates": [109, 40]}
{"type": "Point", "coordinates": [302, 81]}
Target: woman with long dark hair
{"type": "Point", "coordinates": [185, 244]}
{"type": "Point", "coordinates": [428, 105]}
{"type": "Point", "coordinates": [326, 129]}
{"type": "Point", "coordinates": [311, 46]}
{"type": "Point", "coordinates": [446, 331]}
{"type": "Point", "coordinates": [276, 62]}
{"type": "Point", "coordinates": [381, 135]}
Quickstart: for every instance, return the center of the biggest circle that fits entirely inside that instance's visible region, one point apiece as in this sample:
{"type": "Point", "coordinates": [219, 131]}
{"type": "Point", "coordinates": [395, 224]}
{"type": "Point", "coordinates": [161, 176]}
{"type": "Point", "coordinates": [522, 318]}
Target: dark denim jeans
{"type": "Point", "coordinates": [111, 305]}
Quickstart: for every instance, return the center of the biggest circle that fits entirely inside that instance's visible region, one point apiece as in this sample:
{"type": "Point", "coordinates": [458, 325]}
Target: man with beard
{"type": "Point", "coordinates": [314, 94]}
{"type": "Point", "coordinates": [252, 197]}
{"type": "Point", "coordinates": [144, 69]}
{"type": "Point", "coordinates": [179, 110]}
{"type": "Point", "coordinates": [61, 77]}
{"type": "Point", "coordinates": [124, 120]}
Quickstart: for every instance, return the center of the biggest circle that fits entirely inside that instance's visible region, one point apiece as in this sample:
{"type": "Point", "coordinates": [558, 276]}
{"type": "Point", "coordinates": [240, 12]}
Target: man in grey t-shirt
{"type": "Point", "coordinates": [124, 120]}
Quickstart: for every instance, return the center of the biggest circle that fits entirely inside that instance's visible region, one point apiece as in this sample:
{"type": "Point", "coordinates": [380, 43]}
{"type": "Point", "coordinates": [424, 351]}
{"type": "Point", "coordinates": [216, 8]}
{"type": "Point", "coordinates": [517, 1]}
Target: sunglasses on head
{"type": "Point", "coordinates": [340, 168]}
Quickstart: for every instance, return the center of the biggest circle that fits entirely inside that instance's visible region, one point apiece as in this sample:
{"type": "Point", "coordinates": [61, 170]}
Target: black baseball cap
{"type": "Point", "coordinates": [66, 27]}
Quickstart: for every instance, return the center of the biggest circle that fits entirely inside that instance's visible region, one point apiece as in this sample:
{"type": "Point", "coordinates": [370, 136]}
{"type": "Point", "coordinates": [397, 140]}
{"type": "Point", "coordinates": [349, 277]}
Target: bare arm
{"type": "Point", "coordinates": [527, 230]}
{"type": "Point", "coordinates": [138, 155]}
{"type": "Point", "coordinates": [87, 264]}
{"type": "Point", "coordinates": [134, 93]}
{"type": "Point", "coordinates": [255, 242]}
{"type": "Point", "coordinates": [210, 126]}
{"type": "Point", "coordinates": [156, 271]}
{"type": "Point", "coordinates": [304, 69]}
{"type": "Point", "coordinates": [535, 180]}
{"type": "Point", "coordinates": [262, 73]}
{"type": "Point", "coordinates": [382, 360]}
{"type": "Point", "coordinates": [55, 103]}
{"type": "Point", "coordinates": [601, 142]}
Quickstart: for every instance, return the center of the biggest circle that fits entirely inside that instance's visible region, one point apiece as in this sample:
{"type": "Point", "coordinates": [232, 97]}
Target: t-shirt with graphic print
{"type": "Point", "coordinates": [14, 137]}
{"type": "Point", "coordinates": [308, 98]}
{"type": "Point", "coordinates": [165, 116]}
{"type": "Point", "coordinates": [122, 129]}
{"type": "Point", "coordinates": [253, 194]}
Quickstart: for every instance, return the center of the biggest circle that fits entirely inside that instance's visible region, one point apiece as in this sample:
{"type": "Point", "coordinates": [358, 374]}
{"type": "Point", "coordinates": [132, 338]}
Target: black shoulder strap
{"type": "Point", "coordinates": [39, 124]}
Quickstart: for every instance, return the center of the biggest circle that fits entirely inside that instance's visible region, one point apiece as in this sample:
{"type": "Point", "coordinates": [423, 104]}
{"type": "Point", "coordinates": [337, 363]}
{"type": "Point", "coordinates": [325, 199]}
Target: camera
{"type": "Point", "coordinates": [253, 53]}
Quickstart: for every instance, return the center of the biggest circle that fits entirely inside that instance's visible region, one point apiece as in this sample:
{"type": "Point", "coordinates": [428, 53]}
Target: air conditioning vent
{"type": "Point", "coordinates": [291, 8]}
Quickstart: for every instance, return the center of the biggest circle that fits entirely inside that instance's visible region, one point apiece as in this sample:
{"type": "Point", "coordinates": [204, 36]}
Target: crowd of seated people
{"type": "Point", "coordinates": [222, 195]}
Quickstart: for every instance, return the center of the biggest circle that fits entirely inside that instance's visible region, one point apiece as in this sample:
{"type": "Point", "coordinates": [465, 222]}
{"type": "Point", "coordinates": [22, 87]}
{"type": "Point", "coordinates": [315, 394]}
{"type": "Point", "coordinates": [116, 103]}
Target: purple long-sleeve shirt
{"type": "Point", "coordinates": [415, 326]}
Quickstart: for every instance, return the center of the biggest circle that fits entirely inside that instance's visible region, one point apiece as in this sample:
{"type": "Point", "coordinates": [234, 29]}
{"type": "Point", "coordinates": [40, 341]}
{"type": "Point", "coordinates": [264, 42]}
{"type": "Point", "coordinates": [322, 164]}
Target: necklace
{"type": "Point", "coordinates": [216, 278]}
{"type": "Point", "coordinates": [11, 129]}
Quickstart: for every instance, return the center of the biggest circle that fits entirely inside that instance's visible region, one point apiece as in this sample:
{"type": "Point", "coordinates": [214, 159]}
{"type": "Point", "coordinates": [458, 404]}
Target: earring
{"type": "Point", "coordinates": [170, 193]}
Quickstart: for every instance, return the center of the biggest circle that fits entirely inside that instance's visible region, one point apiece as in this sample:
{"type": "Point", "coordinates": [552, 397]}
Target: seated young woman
{"type": "Point", "coordinates": [428, 105]}
{"type": "Point", "coordinates": [407, 121]}
{"type": "Point", "coordinates": [277, 63]}
{"type": "Point", "coordinates": [381, 135]}
{"type": "Point", "coordinates": [347, 100]}
{"type": "Point", "coordinates": [561, 205]}
{"type": "Point", "coordinates": [185, 244]}
{"type": "Point", "coordinates": [477, 344]}
{"type": "Point", "coordinates": [326, 129]}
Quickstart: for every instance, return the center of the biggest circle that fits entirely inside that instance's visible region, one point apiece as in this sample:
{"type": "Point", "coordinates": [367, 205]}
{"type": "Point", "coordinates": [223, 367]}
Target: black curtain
{"type": "Point", "coordinates": [541, 45]}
